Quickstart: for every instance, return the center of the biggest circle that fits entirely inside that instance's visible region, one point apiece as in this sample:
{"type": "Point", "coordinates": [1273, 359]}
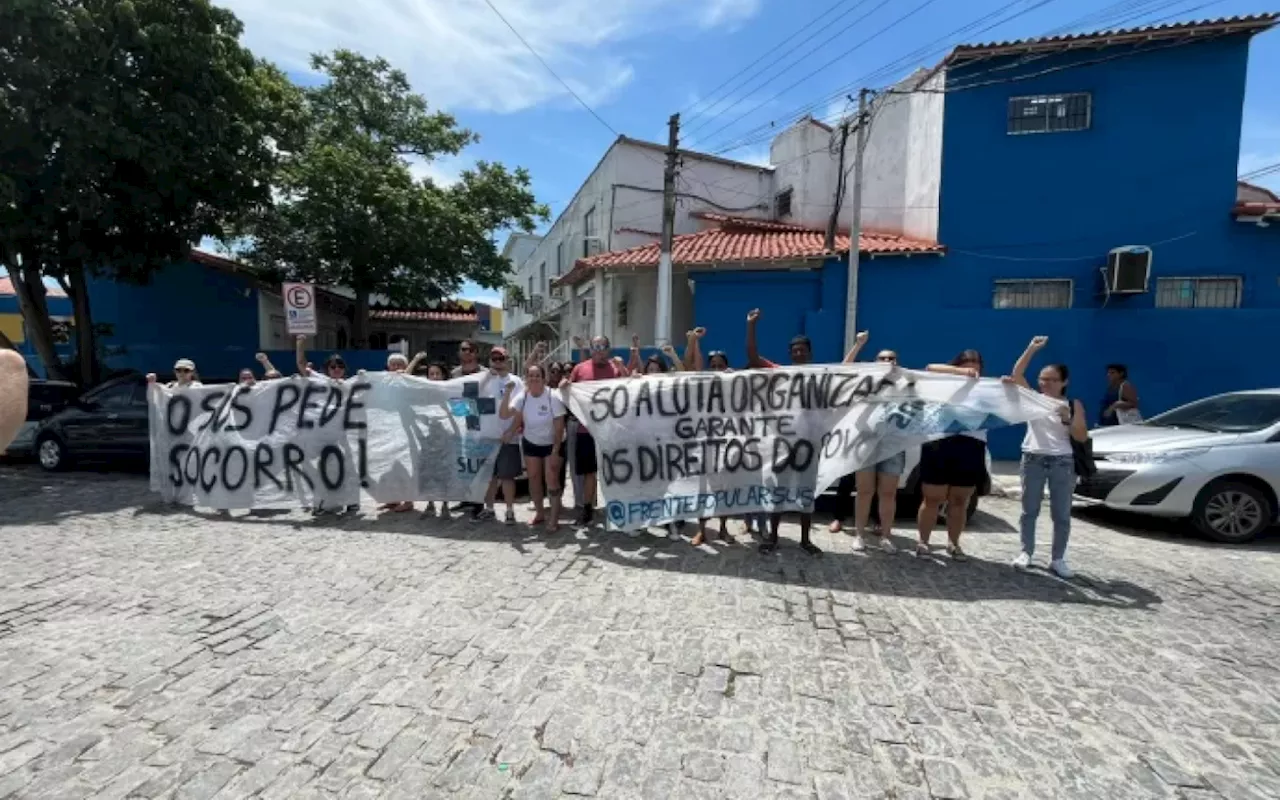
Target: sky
{"type": "Point", "coordinates": [635, 62]}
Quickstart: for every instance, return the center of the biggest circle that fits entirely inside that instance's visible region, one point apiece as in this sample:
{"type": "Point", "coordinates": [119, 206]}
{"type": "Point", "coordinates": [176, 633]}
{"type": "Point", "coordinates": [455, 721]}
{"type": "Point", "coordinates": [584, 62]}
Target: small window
{"type": "Point", "coordinates": [782, 204]}
{"type": "Point", "coordinates": [542, 276]}
{"type": "Point", "coordinates": [588, 231]}
{"type": "Point", "coordinates": [1198, 292]}
{"type": "Point", "coordinates": [560, 258]}
{"type": "Point", "coordinates": [1050, 113]}
{"type": "Point", "coordinates": [1055, 293]}
{"type": "Point", "coordinates": [530, 292]}
{"type": "Point", "coordinates": [622, 313]}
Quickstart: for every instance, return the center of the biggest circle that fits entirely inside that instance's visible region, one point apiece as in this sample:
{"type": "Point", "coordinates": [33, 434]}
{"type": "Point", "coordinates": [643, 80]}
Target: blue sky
{"type": "Point", "coordinates": [637, 61]}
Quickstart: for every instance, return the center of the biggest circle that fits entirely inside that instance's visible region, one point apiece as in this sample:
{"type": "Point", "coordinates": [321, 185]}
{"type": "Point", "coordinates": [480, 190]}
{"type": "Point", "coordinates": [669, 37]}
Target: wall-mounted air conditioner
{"type": "Point", "coordinates": [1128, 269]}
{"type": "Point", "coordinates": [592, 246]}
{"type": "Point", "coordinates": [557, 292]}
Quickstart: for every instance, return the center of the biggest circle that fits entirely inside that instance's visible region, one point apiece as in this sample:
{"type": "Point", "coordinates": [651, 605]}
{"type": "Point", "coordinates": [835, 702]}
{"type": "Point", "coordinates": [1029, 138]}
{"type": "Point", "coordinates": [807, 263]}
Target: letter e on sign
{"type": "Point", "coordinates": [300, 308]}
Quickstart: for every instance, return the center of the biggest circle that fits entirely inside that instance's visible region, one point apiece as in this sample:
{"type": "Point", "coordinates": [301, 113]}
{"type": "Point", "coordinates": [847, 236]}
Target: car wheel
{"type": "Point", "coordinates": [1231, 512]}
{"type": "Point", "coordinates": [51, 453]}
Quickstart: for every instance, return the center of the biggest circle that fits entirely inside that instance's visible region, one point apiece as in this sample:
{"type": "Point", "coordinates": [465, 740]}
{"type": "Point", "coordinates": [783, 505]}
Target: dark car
{"type": "Point", "coordinates": [108, 423]}
{"type": "Point", "coordinates": [44, 399]}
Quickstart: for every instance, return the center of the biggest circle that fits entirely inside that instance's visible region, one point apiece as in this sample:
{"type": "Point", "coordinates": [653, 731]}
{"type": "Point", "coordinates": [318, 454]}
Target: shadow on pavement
{"type": "Point", "coordinates": [1169, 530]}
{"type": "Point", "coordinates": [47, 498]}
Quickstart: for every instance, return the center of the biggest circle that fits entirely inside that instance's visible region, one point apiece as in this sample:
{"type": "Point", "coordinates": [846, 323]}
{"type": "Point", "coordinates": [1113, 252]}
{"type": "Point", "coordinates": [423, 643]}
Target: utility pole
{"type": "Point", "coordinates": [855, 228]}
{"type": "Point", "coordinates": [829, 242]}
{"type": "Point", "coordinates": [662, 325]}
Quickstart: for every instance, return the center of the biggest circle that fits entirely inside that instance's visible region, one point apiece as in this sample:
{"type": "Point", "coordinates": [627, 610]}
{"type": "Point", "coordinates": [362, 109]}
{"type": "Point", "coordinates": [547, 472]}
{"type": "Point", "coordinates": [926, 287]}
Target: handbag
{"type": "Point", "coordinates": [1081, 452]}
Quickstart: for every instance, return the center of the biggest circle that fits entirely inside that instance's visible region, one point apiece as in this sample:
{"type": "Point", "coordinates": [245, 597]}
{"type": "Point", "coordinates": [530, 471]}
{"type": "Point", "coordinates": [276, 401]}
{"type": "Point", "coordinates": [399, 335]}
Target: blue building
{"type": "Point", "coordinates": [995, 186]}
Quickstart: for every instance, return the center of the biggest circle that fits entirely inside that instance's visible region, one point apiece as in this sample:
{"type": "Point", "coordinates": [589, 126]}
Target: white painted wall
{"type": "Point", "coordinates": [902, 163]}
{"type": "Point", "coordinates": [273, 331]}
{"type": "Point", "coordinates": [803, 162]}
{"type": "Point", "coordinates": [625, 191]}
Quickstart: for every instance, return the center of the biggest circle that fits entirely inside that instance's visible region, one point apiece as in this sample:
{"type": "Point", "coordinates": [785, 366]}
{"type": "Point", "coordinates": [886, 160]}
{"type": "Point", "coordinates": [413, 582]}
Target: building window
{"type": "Point", "coordinates": [1050, 113]}
{"type": "Point", "coordinates": [1054, 293]}
{"type": "Point", "coordinates": [560, 257]}
{"type": "Point", "coordinates": [622, 313]}
{"type": "Point", "coordinates": [530, 292]}
{"type": "Point", "coordinates": [782, 204]}
{"type": "Point", "coordinates": [1198, 292]}
{"type": "Point", "coordinates": [542, 276]}
{"type": "Point", "coordinates": [588, 231]}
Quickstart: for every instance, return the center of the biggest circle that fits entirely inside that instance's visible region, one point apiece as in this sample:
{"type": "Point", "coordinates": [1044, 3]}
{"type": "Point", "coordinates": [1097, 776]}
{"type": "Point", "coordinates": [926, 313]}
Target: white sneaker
{"type": "Point", "coordinates": [1022, 561]}
{"type": "Point", "coordinates": [1059, 567]}
{"type": "Point", "coordinates": [887, 545]}
{"type": "Point", "coordinates": [859, 543]}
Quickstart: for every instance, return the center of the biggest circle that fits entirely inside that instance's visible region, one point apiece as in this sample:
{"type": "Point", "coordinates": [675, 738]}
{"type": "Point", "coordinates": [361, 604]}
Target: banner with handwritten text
{"type": "Point", "coordinates": [690, 445]}
{"type": "Point", "coordinates": [319, 443]}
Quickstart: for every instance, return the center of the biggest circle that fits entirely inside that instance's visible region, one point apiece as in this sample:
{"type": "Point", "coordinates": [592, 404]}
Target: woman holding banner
{"type": "Point", "coordinates": [396, 362]}
{"type": "Point", "coordinates": [1047, 459]}
{"type": "Point", "coordinates": [540, 413]}
{"type": "Point", "coordinates": [951, 469]}
{"type": "Point", "coordinates": [184, 375]}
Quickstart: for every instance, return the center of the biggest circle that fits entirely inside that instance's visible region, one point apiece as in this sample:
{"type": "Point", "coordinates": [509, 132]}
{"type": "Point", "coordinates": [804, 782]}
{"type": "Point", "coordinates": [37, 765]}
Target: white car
{"type": "Point", "coordinates": [1215, 461]}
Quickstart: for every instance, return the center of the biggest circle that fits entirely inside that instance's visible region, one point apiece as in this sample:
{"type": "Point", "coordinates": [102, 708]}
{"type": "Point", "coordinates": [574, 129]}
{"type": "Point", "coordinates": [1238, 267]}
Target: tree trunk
{"type": "Point", "coordinates": [86, 348]}
{"type": "Point", "coordinates": [360, 323]}
{"type": "Point", "coordinates": [28, 285]}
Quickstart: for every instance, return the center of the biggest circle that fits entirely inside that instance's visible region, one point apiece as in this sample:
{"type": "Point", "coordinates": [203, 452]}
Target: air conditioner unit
{"type": "Point", "coordinates": [592, 246]}
{"type": "Point", "coordinates": [533, 304]}
{"type": "Point", "coordinates": [557, 292]}
{"type": "Point", "coordinates": [1128, 269]}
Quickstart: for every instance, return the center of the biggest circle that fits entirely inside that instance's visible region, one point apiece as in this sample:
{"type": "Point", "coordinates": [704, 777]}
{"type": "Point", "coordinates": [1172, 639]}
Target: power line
{"type": "Point", "coordinates": [548, 68]}
{"type": "Point", "coordinates": [762, 56]}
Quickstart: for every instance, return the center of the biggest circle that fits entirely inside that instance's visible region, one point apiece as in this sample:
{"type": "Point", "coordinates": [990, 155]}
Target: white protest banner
{"type": "Point", "coordinates": [313, 441]}
{"type": "Point", "coordinates": [300, 308]}
{"type": "Point", "coordinates": [690, 445]}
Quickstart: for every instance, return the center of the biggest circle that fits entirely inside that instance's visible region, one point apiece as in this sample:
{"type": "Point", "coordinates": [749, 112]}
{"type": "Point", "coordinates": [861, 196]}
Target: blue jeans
{"type": "Point", "coordinates": [1059, 472]}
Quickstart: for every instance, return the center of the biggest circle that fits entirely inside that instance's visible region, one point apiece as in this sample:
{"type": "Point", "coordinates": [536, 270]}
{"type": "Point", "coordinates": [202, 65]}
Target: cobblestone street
{"type": "Point", "coordinates": [152, 652]}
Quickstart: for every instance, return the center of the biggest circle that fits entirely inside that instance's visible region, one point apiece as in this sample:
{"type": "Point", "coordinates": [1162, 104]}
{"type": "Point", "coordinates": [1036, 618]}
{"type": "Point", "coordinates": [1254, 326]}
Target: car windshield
{"type": "Point", "coordinates": [1230, 413]}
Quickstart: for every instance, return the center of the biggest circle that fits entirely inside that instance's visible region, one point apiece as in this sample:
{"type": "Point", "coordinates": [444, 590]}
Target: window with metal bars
{"type": "Point", "coordinates": [1053, 293]}
{"type": "Point", "coordinates": [1198, 292]}
{"type": "Point", "coordinates": [782, 204]}
{"type": "Point", "coordinates": [1050, 113]}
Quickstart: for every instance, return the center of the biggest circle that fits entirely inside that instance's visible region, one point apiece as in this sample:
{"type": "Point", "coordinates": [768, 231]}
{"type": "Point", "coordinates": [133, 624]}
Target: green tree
{"type": "Point", "coordinates": [348, 211]}
{"type": "Point", "coordinates": [129, 130]}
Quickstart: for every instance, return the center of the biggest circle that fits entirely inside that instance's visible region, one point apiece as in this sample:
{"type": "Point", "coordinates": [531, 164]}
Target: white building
{"type": "Point", "coordinates": [620, 206]}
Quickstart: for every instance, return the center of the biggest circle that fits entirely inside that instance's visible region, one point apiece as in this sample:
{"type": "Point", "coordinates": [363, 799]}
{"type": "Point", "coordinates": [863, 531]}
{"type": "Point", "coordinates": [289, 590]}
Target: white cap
{"type": "Point", "coordinates": [184, 363]}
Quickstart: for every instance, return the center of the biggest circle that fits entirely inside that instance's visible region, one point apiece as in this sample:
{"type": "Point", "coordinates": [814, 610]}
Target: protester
{"type": "Point", "coordinates": [556, 371]}
{"type": "Point", "coordinates": [539, 412]}
{"type": "Point", "coordinates": [801, 353]}
{"type": "Point", "coordinates": [246, 378]}
{"type": "Point", "coordinates": [507, 463]}
{"type": "Point", "coordinates": [269, 372]}
{"type": "Point", "coordinates": [951, 469]}
{"type": "Point", "coordinates": [14, 388]}
{"type": "Point", "coordinates": [184, 375]}
{"type": "Point", "coordinates": [435, 372]}
{"type": "Point", "coordinates": [396, 362]}
{"type": "Point", "coordinates": [1120, 401]}
{"type": "Point", "coordinates": [601, 366]}
{"type": "Point", "coordinates": [335, 369]}
{"type": "Point", "coordinates": [468, 364]}
{"type": "Point", "coordinates": [1047, 459]}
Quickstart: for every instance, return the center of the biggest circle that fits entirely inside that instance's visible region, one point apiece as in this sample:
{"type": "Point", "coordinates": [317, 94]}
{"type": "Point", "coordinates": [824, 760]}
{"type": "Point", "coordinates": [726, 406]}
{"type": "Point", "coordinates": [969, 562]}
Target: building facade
{"type": "Point", "coordinates": [619, 206]}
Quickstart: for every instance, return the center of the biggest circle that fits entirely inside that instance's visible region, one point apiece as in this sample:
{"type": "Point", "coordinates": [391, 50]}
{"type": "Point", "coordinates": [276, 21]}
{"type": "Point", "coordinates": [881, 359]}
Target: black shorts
{"type": "Point", "coordinates": [532, 450]}
{"type": "Point", "coordinates": [584, 454]}
{"type": "Point", "coordinates": [959, 461]}
{"type": "Point", "coordinates": [508, 463]}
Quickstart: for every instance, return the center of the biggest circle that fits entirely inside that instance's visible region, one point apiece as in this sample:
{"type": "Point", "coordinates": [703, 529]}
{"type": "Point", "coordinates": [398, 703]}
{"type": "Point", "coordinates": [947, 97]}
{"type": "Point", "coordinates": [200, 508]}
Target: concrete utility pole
{"type": "Point", "coordinates": [662, 325]}
{"type": "Point", "coordinates": [855, 228]}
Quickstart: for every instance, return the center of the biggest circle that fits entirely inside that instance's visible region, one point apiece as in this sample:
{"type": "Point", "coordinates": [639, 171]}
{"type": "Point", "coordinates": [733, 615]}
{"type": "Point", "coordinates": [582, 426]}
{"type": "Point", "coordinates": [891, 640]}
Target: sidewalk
{"type": "Point", "coordinates": [1004, 479]}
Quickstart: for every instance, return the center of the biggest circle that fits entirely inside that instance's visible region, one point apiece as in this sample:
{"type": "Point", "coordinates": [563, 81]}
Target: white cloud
{"type": "Point", "coordinates": [460, 55]}
{"type": "Point", "coordinates": [442, 171]}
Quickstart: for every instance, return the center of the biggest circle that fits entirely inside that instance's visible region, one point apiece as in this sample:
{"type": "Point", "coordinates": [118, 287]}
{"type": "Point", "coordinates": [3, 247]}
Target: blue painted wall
{"type": "Point", "coordinates": [187, 311]}
{"type": "Point", "coordinates": [12, 315]}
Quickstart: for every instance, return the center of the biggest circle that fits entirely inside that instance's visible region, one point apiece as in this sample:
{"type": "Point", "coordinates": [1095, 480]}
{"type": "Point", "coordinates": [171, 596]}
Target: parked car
{"type": "Point", "coordinates": [1215, 461]}
{"type": "Point", "coordinates": [108, 423]}
{"type": "Point", "coordinates": [44, 399]}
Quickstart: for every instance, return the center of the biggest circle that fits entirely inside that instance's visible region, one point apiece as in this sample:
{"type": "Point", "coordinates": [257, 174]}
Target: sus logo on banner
{"type": "Point", "coordinates": [312, 441]}
{"type": "Point", "coordinates": [693, 445]}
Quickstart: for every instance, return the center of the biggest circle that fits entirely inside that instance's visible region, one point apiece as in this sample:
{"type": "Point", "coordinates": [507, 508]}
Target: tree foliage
{"type": "Point", "coordinates": [349, 212]}
{"type": "Point", "coordinates": [129, 130]}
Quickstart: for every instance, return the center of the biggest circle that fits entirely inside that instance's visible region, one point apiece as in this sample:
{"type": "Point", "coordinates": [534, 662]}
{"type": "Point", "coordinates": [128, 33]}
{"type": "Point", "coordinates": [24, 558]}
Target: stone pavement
{"type": "Point", "coordinates": [146, 652]}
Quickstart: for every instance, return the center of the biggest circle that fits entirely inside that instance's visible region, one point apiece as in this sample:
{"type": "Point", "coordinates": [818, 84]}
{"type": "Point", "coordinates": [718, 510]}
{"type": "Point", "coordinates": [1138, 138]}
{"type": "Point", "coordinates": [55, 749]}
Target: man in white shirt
{"type": "Point", "coordinates": [507, 461]}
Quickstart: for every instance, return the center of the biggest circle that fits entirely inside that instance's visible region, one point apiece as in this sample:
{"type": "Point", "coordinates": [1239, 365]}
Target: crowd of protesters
{"type": "Point", "coordinates": [542, 440]}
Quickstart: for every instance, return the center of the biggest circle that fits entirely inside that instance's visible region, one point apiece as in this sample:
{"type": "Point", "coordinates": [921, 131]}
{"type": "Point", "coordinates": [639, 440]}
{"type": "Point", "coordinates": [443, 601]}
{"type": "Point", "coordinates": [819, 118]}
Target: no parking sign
{"type": "Point", "coordinates": [300, 308]}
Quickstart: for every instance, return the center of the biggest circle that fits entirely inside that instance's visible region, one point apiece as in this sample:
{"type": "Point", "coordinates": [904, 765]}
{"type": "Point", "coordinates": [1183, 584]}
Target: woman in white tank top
{"type": "Point", "coordinates": [1047, 459]}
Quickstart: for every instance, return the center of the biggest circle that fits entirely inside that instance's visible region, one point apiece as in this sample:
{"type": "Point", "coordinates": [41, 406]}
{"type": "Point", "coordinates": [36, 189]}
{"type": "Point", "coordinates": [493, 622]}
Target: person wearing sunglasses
{"type": "Point", "coordinates": [601, 366]}
{"type": "Point", "coordinates": [507, 462]}
{"type": "Point", "coordinates": [468, 361]}
{"type": "Point", "coordinates": [184, 375]}
{"type": "Point", "coordinates": [951, 469]}
{"type": "Point", "coordinates": [801, 350]}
